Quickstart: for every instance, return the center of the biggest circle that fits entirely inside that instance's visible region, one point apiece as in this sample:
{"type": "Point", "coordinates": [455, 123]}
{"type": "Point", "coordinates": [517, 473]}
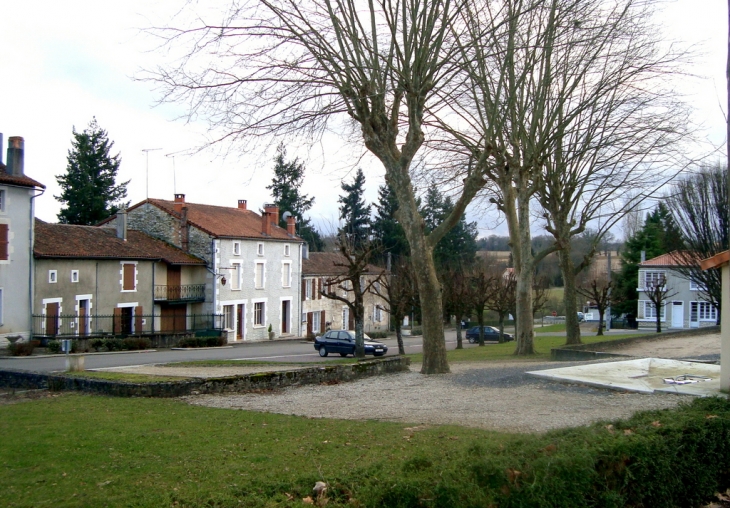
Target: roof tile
{"type": "Point", "coordinates": [330, 263]}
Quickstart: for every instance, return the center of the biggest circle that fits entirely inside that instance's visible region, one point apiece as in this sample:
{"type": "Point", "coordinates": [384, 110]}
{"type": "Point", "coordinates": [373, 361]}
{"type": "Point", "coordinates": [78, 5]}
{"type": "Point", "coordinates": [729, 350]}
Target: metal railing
{"type": "Point", "coordinates": [182, 293]}
{"type": "Point", "coordinates": [123, 324]}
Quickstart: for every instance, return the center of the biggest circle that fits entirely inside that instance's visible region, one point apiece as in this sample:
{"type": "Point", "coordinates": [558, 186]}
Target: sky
{"type": "Point", "coordinates": [63, 63]}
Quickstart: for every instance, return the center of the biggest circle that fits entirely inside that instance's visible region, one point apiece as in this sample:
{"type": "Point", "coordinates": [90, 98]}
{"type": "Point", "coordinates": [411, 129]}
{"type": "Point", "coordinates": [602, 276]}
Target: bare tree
{"type": "Point", "coordinates": [554, 92]}
{"type": "Point", "coordinates": [357, 279]}
{"type": "Point", "coordinates": [502, 300]}
{"type": "Point", "coordinates": [293, 67]}
{"type": "Point", "coordinates": [599, 291]}
{"type": "Point", "coordinates": [481, 282]}
{"type": "Point", "coordinates": [456, 292]}
{"type": "Point", "coordinates": [658, 294]}
{"type": "Point", "coordinates": [401, 295]}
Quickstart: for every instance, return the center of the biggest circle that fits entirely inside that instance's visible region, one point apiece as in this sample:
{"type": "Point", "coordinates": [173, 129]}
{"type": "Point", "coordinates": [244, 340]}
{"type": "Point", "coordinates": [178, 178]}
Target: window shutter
{"type": "Point", "coordinates": [309, 323]}
{"type": "Point", "coordinates": [138, 319]}
{"type": "Point", "coordinates": [128, 277]}
{"type": "Point", "coordinates": [4, 241]}
{"type": "Point", "coordinates": [322, 326]}
{"type": "Point", "coordinates": [304, 289]}
{"type": "Point", "coordinates": [117, 320]}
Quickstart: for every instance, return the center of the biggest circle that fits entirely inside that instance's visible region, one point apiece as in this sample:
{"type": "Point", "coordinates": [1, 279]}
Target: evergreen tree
{"type": "Point", "coordinates": [386, 228]}
{"type": "Point", "coordinates": [658, 236]}
{"type": "Point", "coordinates": [288, 178]}
{"type": "Point", "coordinates": [459, 246]}
{"type": "Point", "coordinates": [89, 189]}
{"type": "Point", "coordinates": [354, 212]}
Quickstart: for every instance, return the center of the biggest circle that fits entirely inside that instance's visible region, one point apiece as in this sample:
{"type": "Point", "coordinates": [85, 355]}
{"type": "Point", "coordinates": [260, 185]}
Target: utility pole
{"type": "Point", "coordinates": [147, 170]}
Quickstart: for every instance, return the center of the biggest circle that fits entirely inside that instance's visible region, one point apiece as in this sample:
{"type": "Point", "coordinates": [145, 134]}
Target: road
{"type": "Point", "coordinates": [279, 350]}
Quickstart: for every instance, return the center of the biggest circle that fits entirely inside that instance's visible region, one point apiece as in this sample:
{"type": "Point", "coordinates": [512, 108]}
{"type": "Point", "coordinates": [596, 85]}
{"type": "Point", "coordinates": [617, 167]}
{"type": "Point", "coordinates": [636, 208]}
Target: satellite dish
{"type": "Point", "coordinates": [286, 215]}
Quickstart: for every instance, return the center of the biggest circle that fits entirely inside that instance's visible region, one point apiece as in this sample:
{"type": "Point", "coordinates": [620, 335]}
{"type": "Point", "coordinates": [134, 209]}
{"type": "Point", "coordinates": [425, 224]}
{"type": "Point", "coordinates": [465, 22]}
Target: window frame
{"type": "Point", "coordinates": [236, 275]}
{"type": "Point", "coordinates": [260, 249]}
{"type": "Point", "coordinates": [286, 274]}
{"type": "Point", "coordinates": [316, 321]}
{"type": "Point", "coordinates": [236, 248]}
{"type": "Point", "coordinates": [643, 278]}
{"type": "Point", "coordinates": [647, 304]}
{"type": "Point", "coordinates": [52, 276]}
{"type": "Point", "coordinates": [75, 279]}
{"type": "Point", "coordinates": [256, 281]}
{"type": "Point", "coordinates": [287, 250]}
{"type": "Point", "coordinates": [259, 314]}
{"type": "Point", "coordinates": [136, 273]}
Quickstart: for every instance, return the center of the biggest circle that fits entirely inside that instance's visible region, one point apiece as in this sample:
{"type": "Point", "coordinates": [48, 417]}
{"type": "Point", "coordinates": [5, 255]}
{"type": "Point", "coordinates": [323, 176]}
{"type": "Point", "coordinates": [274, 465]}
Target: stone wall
{"type": "Point", "coordinates": [233, 384]}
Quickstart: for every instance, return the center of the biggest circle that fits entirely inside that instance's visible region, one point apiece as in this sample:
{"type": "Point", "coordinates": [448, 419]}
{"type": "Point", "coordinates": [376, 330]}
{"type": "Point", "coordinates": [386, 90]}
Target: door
{"type": "Point", "coordinates": [127, 314]}
{"type": "Point", "coordinates": [677, 314]}
{"type": "Point", "coordinates": [285, 316]}
{"type": "Point", "coordinates": [240, 313]}
{"type": "Point", "coordinates": [173, 282]}
{"type": "Point", "coordinates": [52, 318]}
{"type": "Point", "coordinates": [694, 315]}
{"type": "Point", "coordinates": [174, 318]}
{"type": "Point", "coordinates": [83, 317]}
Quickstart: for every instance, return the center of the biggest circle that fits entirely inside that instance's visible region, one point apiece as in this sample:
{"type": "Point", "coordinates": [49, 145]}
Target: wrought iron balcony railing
{"type": "Point", "coordinates": [183, 293]}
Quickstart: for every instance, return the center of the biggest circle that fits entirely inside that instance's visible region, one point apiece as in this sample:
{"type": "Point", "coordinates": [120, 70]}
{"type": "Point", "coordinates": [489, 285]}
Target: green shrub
{"type": "Point", "coordinates": [97, 344]}
{"type": "Point", "coordinates": [202, 342]}
{"type": "Point", "coordinates": [136, 343]}
{"type": "Point", "coordinates": [21, 348]}
{"type": "Point", "coordinates": [416, 330]}
{"type": "Point", "coordinates": [113, 344]}
{"type": "Point", "coordinates": [54, 346]}
{"type": "Point", "coordinates": [378, 335]}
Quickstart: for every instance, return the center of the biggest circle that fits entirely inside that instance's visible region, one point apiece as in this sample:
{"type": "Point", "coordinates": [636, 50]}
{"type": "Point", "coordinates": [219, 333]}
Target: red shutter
{"type": "Point", "coordinates": [309, 323]}
{"type": "Point", "coordinates": [304, 289]}
{"type": "Point", "coordinates": [128, 277]}
{"type": "Point", "coordinates": [323, 325]}
{"type": "Point", "coordinates": [4, 241]}
{"type": "Point", "coordinates": [117, 320]}
{"type": "Point", "coordinates": [138, 319]}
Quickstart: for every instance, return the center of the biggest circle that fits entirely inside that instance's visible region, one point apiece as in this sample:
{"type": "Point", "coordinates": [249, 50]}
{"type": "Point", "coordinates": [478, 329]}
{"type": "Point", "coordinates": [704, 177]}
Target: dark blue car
{"type": "Point", "coordinates": [343, 342]}
{"type": "Point", "coordinates": [491, 334]}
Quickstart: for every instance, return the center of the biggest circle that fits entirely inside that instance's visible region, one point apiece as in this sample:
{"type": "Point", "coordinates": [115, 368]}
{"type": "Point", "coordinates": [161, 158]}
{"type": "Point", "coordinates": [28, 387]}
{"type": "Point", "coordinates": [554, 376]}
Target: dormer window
{"type": "Point", "coordinates": [260, 249]}
{"type": "Point", "coordinates": [236, 248]}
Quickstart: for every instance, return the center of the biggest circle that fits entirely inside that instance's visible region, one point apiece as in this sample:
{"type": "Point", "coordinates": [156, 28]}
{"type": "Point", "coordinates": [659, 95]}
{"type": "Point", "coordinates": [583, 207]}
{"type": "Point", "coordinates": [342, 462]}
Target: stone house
{"type": "Point", "coordinates": [17, 193]}
{"type": "Point", "coordinates": [320, 313]}
{"type": "Point", "coordinates": [104, 280]}
{"type": "Point", "coordinates": [253, 266]}
{"type": "Point", "coordinates": [686, 308]}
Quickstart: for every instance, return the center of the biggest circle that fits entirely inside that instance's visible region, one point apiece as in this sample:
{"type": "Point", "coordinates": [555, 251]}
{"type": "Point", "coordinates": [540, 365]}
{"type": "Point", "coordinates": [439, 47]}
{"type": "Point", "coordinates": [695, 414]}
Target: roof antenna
{"type": "Point", "coordinates": [174, 178]}
{"type": "Point", "coordinates": [147, 170]}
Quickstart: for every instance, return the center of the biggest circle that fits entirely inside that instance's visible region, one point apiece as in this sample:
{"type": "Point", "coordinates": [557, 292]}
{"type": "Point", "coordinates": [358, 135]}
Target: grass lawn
{"type": "Point", "coordinates": [83, 450]}
{"type": "Point", "coordinates": [558, 327]}
{"type": "Point", "coordinates": [123, 376]}
{"type": "Point", "coordinates": [246, 363]}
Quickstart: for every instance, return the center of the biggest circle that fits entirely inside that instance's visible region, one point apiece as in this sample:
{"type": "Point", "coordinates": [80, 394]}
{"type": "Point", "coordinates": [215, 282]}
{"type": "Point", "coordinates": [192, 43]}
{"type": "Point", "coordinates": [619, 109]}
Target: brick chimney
{"type": "Point", "coordinates": [16, 147]}
{"type": "Point", "coordinates": [178, 205]}
{"type": "Point", "coordinates": [266, 223]}
{"type": "Point", "coordinates": [122, 225]}
{"type": "Point", "coordinates": [274, 211]}
{"type": "Point", "coordinates": [291, 225]}
{"type": "Point", "coordinates": [242, 204]}
{"type": "Point", "coordinates": [184, 228]}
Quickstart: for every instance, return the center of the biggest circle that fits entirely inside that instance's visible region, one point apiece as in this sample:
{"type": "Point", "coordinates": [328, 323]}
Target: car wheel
{"type": "Point", "coordinates": [472, 340]}
{"type": "Point", "coordinates": [323, 351]}
{"type": "Point", "coordinates": [343, 354]}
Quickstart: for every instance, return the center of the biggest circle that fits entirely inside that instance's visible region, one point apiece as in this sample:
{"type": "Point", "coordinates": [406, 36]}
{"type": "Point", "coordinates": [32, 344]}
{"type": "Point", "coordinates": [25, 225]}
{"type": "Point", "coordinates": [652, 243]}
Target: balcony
{"type": "Point", "coordinates": [183, 293]}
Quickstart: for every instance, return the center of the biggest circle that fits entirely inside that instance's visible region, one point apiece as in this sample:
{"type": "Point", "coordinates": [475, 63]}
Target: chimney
{"type": "Point", "coordinates": [15, 156]}
{"type": "Point", "coordinates": [122, 225]}
{"type": "Point", "coordinates": [1, 152]}
{"type": "Point", "coordinates": [305, 251]}
{"type": "Point", "coordinates": [178, 205]}
{"type": "Point", "coordinates": [242, 204]}
{"type": "Point", "coordinates": [266, 222]}
{"type": "Point", "coordinates": [291, 225]}
{"type": "Point", "coordinates": [643, 256]}
{"type": "Point", "coordinates": [184, 228]}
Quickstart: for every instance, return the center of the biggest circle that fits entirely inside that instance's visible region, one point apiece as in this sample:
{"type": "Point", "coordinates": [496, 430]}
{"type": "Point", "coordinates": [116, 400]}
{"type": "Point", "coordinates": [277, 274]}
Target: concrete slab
{"type": "Point", "coordinates": [645, 375]}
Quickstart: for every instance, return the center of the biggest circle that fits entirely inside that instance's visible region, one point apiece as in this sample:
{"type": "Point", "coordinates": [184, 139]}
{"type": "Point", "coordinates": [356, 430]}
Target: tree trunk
{"type": "Point", "coordinates": [480, 320]}
{"type": "Point", "coordinates": [459, 343]}
{"type": "Point", "coordinates": [359, 339]}
{"type": "Point", "coordinates": [501, 327]}
{"type": "Point", "coordinates": [570, 298]}
{"type": "Point", "coordinates": [601, 313]}
{"type": "Point", "coordinates": [399, 336]}
{"type": "Point", "coordinates": [658, 319]}
{"type": "Point", "coordinates": [518, 222]}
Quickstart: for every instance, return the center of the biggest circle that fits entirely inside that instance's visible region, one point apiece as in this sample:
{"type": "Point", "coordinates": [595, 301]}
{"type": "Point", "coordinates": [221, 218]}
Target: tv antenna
{"type": "Point", "coordinates": [147, 170]}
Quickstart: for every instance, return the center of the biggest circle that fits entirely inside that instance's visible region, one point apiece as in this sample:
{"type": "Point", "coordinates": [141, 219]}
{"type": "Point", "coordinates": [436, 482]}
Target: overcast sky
{"type": "Point", "coordinates": [63, 63]}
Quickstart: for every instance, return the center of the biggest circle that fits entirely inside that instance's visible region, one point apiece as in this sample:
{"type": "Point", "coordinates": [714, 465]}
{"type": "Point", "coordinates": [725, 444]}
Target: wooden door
{"type": "Point", "coordinates": [83, 317]}
{"type": "Point", "coordinates": [173, 282]}
{"type": "Point", "coordinates": [52, 318]}
{"type": "Point", "coordinates": [239, 321]}
{"type": "Point", "coordinates": [285, 316]}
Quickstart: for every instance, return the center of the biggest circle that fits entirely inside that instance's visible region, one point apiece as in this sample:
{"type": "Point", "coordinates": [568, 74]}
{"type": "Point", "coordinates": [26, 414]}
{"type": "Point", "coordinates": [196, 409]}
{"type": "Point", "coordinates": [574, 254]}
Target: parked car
{"type": "Point", "coordinates": [581, 317]}
{"type": "Point", "coordinates": [491, 334]}
{"type": "Point", "coordinates": [343, 342]}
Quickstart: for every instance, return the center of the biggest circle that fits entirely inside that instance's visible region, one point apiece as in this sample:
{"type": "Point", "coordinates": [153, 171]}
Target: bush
{"type": "Point", "coordinates": [416, 330]}
{"type": "Point", "coordinates": [136, 343]}
{"type": "Point", "coordinates": [97, 344]}
{"type": "Point", "coordinates": [21, 348]}
{"type": "Point", "coordinates": [378, 335]}
{"type": "Point", "coordinates": [54, 346]}
{"type": "Point", "coordinates": [113, 344]}
{"type": "Point", "coordinates": [202, 342]}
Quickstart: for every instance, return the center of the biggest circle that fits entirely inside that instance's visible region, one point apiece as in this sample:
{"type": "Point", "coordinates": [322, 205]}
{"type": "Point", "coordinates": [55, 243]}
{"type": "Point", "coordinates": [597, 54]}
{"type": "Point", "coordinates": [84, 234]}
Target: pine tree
{"type": "Point", "coordinates": [89, 188]}
{"type": "Point", "coordinates": [386, 228]}
{"type": "Point", "coordinates": [459, 246]}
{"type": "Point", "coordinates": [354, 212]}
{"type": "Point", "coordinates": [288, 178]}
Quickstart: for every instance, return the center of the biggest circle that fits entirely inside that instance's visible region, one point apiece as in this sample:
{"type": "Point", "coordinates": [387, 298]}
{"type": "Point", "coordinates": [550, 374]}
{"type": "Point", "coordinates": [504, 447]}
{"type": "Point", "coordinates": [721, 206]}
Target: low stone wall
{"type": "Point", "coordinates": [236, 384]}
{"type": "Point", "coordinates": [599, 350]}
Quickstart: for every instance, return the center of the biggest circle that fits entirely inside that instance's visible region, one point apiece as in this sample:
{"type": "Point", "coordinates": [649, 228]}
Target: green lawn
{"type": "Point", "coordinates": [82, 450]}
{"type": "Point", "coordinates": [559, 327]}
{"type": "Point", "coordinates": [123, 376]}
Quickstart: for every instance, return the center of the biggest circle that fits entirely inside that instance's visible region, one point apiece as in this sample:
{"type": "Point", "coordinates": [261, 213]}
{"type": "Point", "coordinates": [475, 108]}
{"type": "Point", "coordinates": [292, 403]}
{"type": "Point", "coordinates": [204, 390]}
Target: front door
{"type": "Point", "coordinates": [677, 314]}
{"type": "Point", "coordinates": [285, 316]}
{"type": "Point", "coordinates": [83, 317]}
{"type": "Point", "coordinates": [240, 313]}
{"type": "Point", "coordinates": [52, 318]}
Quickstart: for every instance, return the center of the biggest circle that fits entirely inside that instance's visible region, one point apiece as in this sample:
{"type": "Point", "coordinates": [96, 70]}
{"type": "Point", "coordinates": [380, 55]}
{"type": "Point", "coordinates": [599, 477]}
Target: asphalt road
{"type": "Point", "coordinates": [279, 350]}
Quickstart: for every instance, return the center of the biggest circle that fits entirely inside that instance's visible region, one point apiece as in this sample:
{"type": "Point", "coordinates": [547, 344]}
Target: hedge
{"type": "Point", "coordinates": [666, 458]}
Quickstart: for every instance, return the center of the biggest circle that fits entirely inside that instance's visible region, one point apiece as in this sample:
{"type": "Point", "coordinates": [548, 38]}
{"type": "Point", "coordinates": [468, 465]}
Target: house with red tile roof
{"type": "Point", "coordinates": [319, 313]}
{"type": "Point", "coordinates": [688, 305]}
{"type": "Point", "coordinates": [253, 265]}
{"type": "Point", "coordinates": [17, 193]}
{"type": "Point", "coordinates": [97, 281]}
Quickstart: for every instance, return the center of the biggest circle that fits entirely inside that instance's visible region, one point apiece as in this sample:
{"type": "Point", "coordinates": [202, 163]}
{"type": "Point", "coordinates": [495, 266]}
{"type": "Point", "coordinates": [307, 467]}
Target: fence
{"type": "Point", "coordinates": [123, 323]}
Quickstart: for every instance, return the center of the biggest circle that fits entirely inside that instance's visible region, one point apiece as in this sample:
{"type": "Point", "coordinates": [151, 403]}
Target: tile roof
{"type": "Point", "coordinates": [22, 181]}
{"type": "Point", "coordinates": [91, 242]}
{"type": "Point", "coordinates": [716, 261]}
{"type": "Point", "coordinates": [674, 258]}
{"type": "Point", "coordinates": [223, 221]}
{"type": "Point", "coordinates": [330, 263]}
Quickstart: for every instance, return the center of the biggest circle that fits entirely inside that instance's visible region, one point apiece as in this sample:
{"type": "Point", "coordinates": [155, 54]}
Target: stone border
{"type": "Point", "coordinates": [237, 384]}
{"type": "Point", "coordinates": [597, 350]}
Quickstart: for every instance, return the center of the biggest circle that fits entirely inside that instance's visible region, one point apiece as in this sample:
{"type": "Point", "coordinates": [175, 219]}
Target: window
{"type": "Point", "coordinates": [236, 276]}
{"type": "Point", "coordinates": [260, 249]}
{"type": "Point", "coordinates": [287, 250]}
{"type": "Point", "coordinates": [376, 288]}
{"type": "Point", "coordinates": [259, 280]}
{"type": "Point", "coordinates": [228, 317]}
{"type": "Point", "coordinates": [378, 313]}
{"type": "Point", "coordinates": [74, 275]}
{"type": "Point", "coordinates": [286, 274]}
{"type": "Point", "coordinates": [308, 289]}
{"type": "Point", "coordinates": [707, 312]}
{"type": "Point", "coordinates": [4, 242]}
{"type": "Point", "coordinates": [647, 310]}
{"type": "Point", "coordinates": [129, 277]}
{"type": "Point", "coordinates": [696, 285]}
{"type": "Point", "coordinates": [236, 248]}
{"type": "Point", "coordinates": [316, 319]}
{"type": "Point", "coordinates": [2, 315]}
{"type": "Point", "coordinates": [2, 200]}
{"type": "Point", "coordinates": [52, 276]}
{"type": "Point", "coordinates": [653, 279]}
{"type": "Point", "coordinates": [258, 314]}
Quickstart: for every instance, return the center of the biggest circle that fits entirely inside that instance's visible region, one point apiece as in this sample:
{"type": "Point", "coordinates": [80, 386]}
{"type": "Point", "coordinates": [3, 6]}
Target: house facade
{"type": "Point", "coordinates": [687, 305]}
{"type": "Point", "coordinates": [17, 193]}
{"type": "Point", "coordinates": [319, 313]}
{"type": "Point", "coordinates": [105, 280]}
{"type": "Point", "coordinates": [253, 266]}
